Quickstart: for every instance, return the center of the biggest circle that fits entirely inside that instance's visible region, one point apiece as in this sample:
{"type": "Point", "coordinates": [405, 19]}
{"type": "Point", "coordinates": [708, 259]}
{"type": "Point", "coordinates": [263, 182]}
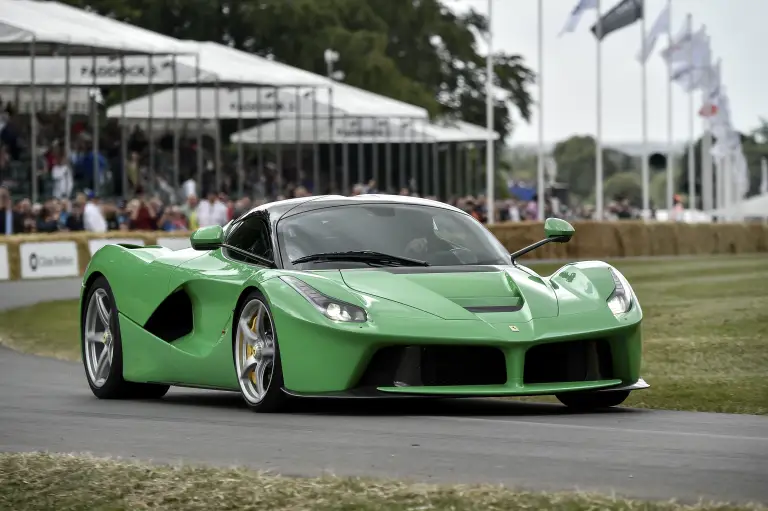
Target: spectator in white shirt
{"type": "Point", "coordinates": [93, 218]}
{"type": "Point", "coordinates": [61, 173]}
{"type": "Point", "coordinates": [212, 211]}
{"type": "Point", "coordinates": [189, 188]}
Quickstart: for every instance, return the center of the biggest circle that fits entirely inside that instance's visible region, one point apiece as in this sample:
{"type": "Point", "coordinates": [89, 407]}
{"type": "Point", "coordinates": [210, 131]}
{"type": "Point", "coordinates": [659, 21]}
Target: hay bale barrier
{"type": "Point", "coordinates": [593, 240]}
{"type": "Point", "coordinates": [611, 240]}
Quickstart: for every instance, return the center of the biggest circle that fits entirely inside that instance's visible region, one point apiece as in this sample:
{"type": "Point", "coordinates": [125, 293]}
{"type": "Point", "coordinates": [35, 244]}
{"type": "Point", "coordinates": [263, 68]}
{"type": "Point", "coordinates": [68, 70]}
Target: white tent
{"type": "Point", "coordinates": [54, 27]}
{"type": "Point", "coordinates": [345, 130]}
{"type": "Point", "coordinates": [245, 103]}
{"type": "Point", "coordinates": [357, 130]}
{"type": "Point", "coordinates": [231, 66]}
{"type": "Point", "coordinates": [108, 70]}
{"type": "Point", "coordinates": [456, 131]}
{"type": "Point", "coordinates": [754, 207]}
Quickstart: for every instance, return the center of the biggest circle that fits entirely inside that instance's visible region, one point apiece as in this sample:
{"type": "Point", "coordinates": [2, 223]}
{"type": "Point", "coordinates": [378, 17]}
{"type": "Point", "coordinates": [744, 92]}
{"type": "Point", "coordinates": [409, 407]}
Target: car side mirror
{"type": "Point", "coordinates": [207, 238]}
{"type": "Point", "coordinates": [558, 230]}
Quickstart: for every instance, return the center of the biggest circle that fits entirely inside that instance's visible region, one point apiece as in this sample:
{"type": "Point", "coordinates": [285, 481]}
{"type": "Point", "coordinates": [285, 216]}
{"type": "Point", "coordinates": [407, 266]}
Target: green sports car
{"type": "Point", "coordinates": [366, 296]}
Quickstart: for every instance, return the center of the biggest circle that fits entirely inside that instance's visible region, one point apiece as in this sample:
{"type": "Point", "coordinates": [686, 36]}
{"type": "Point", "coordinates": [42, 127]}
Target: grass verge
{"type": "Point", "coordinates": [36, 481]}
{"type": "Point", "coordinates": [705, 330]}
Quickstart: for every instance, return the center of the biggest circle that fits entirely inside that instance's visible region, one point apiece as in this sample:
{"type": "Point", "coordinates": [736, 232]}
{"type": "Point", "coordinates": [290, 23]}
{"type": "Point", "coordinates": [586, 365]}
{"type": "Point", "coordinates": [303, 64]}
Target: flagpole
{"type": "Point", "coordinates": [706, 145]}
{"type": "Point", "coordinates": [692, 147]}
{"type": "Point", "coordinates": [763, 176]}
{"type": "Point", "coordinates": [540, 170]}
{"type": "Point", "coordinates": [490, 172]}
{"type": "Point", "coordinates": [670, 133]}
{"type": "Point", "coordinates": [599, 109]}
{"type": "Point", "coordinates": [645, 176]}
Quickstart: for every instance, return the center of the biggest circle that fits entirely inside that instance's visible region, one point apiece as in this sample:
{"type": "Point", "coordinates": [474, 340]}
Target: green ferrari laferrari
{"type": "Point", "coordinates": [369, 296]}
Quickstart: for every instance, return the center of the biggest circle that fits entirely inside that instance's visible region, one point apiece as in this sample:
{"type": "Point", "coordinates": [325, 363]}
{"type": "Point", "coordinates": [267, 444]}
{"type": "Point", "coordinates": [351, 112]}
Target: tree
{"type": "Point", "coordinates": [418, 51]}
{"type": "Point", "coordinates": [625, 185]}
{"type": "Point", "coordinates": [576, 164]}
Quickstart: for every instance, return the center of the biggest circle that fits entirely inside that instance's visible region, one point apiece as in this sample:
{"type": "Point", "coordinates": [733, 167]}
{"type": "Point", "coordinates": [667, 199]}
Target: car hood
{"type": "Point", "coordinates": [493, 293]}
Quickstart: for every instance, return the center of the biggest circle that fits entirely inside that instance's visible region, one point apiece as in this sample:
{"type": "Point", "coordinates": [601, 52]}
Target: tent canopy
{"type": "Point", "coordinates": [51, 26]}
{"type": "Point", "coordinates": [754, 207]}
{"type": "Point", "coordinates": [288, 103]}
{"type": "Point", "coordinates": [107, 71]}
{"type": "Point", "coordinates": [352, 130]}
{"type": "Point", "coordinates": [245, 103]}
{"type": "Point", "coordinates": [232, 67]}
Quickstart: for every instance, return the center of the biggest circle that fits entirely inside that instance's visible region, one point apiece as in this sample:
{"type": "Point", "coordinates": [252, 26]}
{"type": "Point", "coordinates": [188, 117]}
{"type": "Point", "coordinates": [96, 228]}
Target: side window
{"type": "Point", "coordinates": [252, 235]}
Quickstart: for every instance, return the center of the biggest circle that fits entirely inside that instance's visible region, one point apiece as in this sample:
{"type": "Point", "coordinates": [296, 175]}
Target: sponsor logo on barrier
{"type": "Point", "coordinates": [5, 270]}
{"type": "Point", "coordinates": [94, 245]}
{"type": "Point", "coordinates": [174, 243]}
{"type": "Point", "coordinates": [45, 260]}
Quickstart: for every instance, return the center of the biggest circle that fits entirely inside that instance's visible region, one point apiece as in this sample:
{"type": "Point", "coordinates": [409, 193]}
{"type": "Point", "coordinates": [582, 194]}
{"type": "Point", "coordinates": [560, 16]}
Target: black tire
{"type": "Point", "coordinates": [592, 400]}
{"type": "Point", "coordinates": [275, 399]}
{"type": "Point", "coordinates": [115, 386]}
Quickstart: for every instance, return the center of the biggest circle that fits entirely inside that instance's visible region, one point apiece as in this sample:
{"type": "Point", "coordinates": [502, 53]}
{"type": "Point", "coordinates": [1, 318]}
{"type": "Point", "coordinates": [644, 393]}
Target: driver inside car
{"type": "Point", "coordinates": [425, 244]}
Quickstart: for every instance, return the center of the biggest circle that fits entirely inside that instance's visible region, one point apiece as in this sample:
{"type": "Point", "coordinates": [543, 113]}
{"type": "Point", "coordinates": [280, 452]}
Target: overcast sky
{"type": "Point", "coordinates": [737, 31]}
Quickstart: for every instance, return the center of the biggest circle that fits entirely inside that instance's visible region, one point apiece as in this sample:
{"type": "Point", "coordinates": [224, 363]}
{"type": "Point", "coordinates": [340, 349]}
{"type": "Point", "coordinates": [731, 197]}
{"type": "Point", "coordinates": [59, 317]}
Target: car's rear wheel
{"type": "Point", "coordinates": [102, 349]}
{"type": "Point", "coordinates": [257, 355]}
{"type": "Point", "coordinates": [592, 400]}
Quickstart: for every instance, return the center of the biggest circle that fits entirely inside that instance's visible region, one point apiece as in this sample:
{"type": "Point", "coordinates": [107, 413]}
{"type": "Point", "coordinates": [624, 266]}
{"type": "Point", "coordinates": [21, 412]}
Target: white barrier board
{"type": "Point", "coordinates": [94, 245]}
{"type": "Point", "coordinates": [49, 259]}
{"type": "Point", "coordinates": [5, 269]}
{"type": "Point", "coordinates": [174, 243]}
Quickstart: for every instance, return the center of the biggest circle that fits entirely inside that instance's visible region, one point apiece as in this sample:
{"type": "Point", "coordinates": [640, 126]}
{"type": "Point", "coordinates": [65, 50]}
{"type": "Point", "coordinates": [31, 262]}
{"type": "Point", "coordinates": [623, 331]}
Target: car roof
{"type": "Point", "coordinates": [278, 209]}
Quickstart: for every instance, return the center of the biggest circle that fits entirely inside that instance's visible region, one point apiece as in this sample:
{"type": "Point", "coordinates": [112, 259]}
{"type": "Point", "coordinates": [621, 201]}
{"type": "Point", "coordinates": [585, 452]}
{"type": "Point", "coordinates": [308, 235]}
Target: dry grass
{"type": "Point", "coordinates": [705, 327]}
{"type": "Point", "coordinates": [37, 482]}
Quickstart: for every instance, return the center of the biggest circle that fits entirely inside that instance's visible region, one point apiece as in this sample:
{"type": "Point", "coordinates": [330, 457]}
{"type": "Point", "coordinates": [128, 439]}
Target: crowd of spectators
{"type": "Point", "coordinates": [76, 200]}
{"type": "Point", "coordinates": [87, 212]}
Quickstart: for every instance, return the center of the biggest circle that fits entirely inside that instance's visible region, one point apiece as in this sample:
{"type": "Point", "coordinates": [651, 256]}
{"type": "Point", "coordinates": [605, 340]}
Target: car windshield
{"type": "Point", "coordinates": [436, 236]}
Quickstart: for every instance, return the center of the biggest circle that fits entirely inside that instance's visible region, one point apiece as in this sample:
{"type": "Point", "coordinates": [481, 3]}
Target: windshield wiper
{"type": "Point", "coordinates": [367, 256]}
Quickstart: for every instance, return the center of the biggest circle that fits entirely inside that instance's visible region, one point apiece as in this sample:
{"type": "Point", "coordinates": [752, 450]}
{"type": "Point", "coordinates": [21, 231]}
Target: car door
{"type": "Point", "coordinates": [214, 283]}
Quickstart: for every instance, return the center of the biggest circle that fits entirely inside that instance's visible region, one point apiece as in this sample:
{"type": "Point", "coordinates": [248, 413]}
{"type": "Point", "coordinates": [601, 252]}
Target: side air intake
{"type": "Point", "coordinates": [173, 318]}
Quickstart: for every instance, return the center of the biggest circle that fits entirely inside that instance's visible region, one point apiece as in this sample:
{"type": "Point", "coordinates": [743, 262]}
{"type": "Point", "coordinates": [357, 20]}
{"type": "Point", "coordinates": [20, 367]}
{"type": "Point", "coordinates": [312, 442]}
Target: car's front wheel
{"type": "Point", "coordinates": [592, 400]}
{"type": "Point", "coordinates": [257, 355]}
{"type": "Point", "coordinates": [102, 348]}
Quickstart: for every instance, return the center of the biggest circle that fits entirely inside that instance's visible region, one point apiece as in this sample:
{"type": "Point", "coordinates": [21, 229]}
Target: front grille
{"type": "Point", "coordinates": [569, 361]}
{"type": "Point", "coordinates": [435, 366]}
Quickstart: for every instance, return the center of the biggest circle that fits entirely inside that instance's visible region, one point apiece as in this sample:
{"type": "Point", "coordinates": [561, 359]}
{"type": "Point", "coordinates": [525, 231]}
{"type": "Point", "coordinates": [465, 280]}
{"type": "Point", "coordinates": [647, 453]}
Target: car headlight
{"type": "Point", "coordinates": [620, 300]}
{"type": "Point", "coordinates": [333, 309]}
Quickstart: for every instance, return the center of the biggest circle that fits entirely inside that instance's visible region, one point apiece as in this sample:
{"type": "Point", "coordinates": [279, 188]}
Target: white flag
{"type": "Point", "coordinates": [763, 176]}
{"type": "Point", "coordinates": [711, 92]}
{"type": "Point", "coordinates": [683, 45]}
{"type": "Point", "coordinates": [695, 72]}
{"type": "Point", "coordinates": [659, 28]}
{"type": "Point", "coordinates": [741, 174]}
{"type": "Point", "coordinates": [575, 16]}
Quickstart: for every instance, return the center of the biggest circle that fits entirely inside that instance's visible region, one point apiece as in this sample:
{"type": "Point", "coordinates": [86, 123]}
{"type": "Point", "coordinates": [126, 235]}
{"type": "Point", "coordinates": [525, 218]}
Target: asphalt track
{"type": "Point", "coordinates": [45, 404]}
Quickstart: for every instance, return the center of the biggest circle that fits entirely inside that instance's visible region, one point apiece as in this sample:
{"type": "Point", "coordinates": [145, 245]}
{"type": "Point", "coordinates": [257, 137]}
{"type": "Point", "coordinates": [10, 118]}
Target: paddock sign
{"type": "Point", "coordinates": [49, 259]}
{"type": "Point", "coordinates": [5, 271]}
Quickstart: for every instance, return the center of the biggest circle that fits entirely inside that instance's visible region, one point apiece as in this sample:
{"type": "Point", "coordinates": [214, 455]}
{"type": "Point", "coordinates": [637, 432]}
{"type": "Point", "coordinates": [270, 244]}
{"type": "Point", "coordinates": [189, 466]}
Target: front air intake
{"type": "Point", "coordinates": [435, 366]}
{"type": "Point", "coordinates": [569, 361]}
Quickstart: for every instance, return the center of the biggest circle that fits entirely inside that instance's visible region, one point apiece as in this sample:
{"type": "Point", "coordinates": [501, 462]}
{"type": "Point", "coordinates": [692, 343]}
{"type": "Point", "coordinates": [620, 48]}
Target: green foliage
{"type": "Point", "coordinates": [420, 52]}
{"type": "Point", "coordinates": [576, 164]}
{"type": "Point", "coordinates": [658, 189]}
{"type": "Point", "coordinates": [625, 185]}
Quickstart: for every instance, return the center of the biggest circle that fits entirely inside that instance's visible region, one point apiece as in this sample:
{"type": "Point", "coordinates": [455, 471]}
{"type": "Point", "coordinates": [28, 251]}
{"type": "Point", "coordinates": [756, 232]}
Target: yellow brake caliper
{"type": "Point", "coordinates": [249, 351]}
